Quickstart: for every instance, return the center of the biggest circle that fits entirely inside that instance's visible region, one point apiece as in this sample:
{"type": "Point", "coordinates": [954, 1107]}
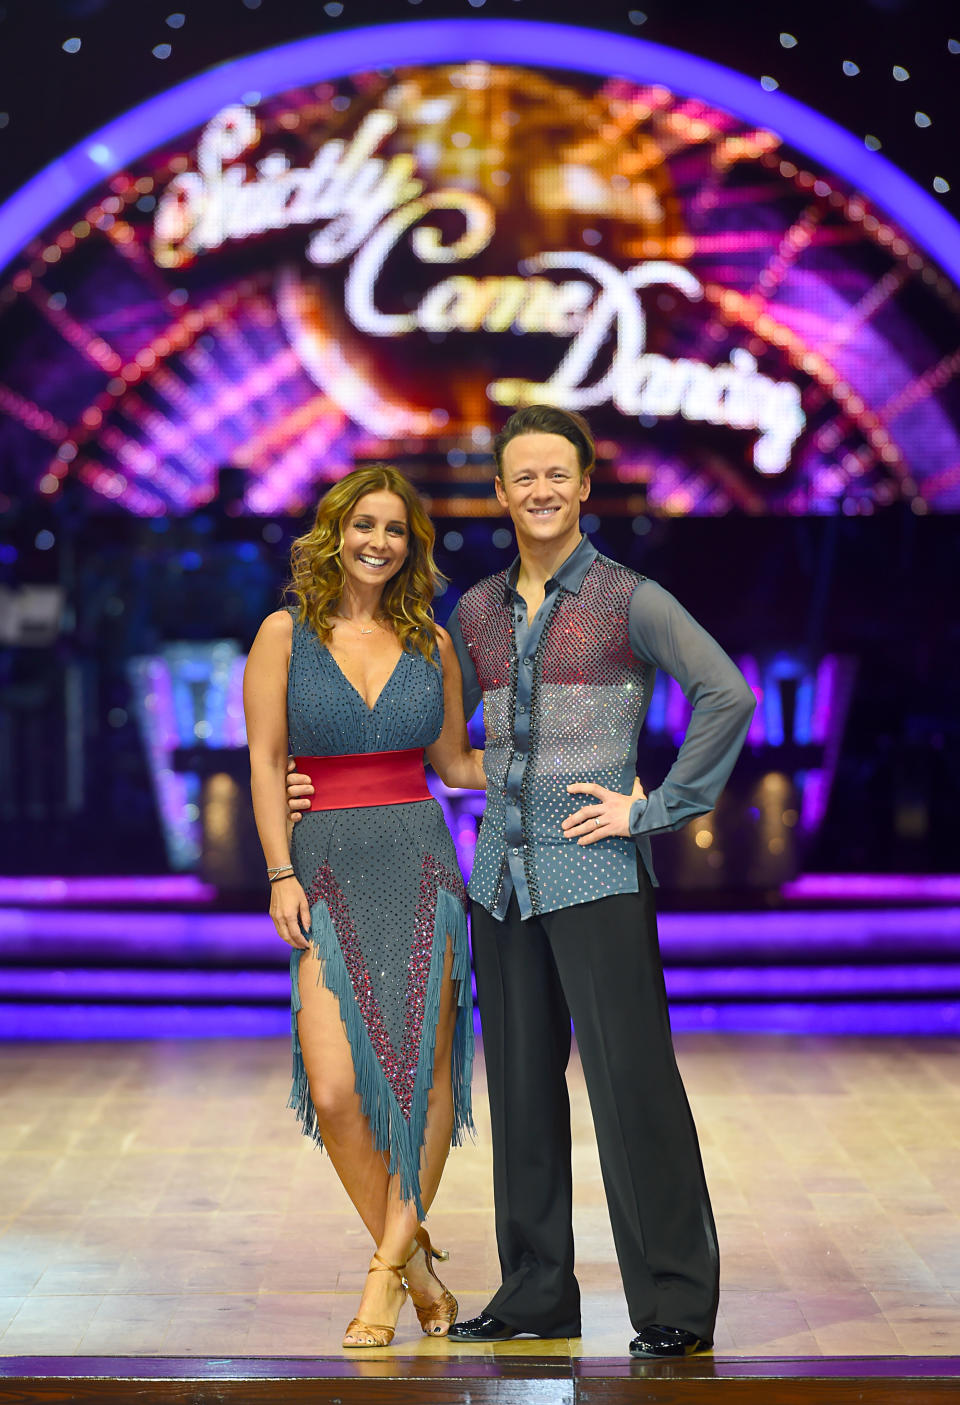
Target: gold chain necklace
{"type": "Point", "coordinates": [344, 620]}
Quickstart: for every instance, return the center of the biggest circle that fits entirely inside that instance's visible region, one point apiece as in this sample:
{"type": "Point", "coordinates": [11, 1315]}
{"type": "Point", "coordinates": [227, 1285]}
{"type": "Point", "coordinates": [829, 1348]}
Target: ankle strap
{"type": "Point", "coordinates": [383, 1267]}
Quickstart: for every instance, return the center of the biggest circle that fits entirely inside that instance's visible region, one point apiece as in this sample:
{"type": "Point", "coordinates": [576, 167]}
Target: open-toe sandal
{"type": "Point", "coordinates": [381, 1334]}
{"type": "Point", "coordinates": [441, 1309]}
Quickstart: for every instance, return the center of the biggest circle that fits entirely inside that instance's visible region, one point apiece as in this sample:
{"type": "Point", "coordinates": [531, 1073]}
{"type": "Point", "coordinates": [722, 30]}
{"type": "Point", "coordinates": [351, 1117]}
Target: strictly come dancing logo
{"type": "Point", "coordinates": [472, 238]}
{"type": "Point", "coordinates": [379, 259]}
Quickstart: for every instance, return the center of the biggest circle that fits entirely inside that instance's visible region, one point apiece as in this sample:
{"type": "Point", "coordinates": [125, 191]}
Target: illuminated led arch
{"type": "Point", "coordinates": [189, 105]}
{"type": "Point", "coordinates": [275, 383]}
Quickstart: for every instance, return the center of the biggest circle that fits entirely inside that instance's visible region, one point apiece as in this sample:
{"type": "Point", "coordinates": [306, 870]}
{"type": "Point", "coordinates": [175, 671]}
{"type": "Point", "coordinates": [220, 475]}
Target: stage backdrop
{"type": "Point", "coordinates": [377, 244]}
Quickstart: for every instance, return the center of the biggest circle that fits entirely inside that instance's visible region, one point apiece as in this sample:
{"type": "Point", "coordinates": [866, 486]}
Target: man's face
{"type": "Point", "coordinates": [541, 488]}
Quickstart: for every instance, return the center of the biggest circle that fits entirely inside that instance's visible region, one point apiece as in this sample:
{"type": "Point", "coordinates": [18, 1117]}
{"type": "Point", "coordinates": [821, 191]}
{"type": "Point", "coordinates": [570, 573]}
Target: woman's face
{"type": "Point", "coordinates": [376, 537]}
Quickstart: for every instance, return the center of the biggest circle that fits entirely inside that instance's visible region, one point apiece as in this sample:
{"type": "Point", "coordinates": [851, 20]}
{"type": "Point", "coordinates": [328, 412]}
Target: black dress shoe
{"type": "Point", "coordinates": [491, 1329]}
{"type": "Point", "coordinates": [482, 1329]}
{"type": "Point", "coordinates": [657, 1340]}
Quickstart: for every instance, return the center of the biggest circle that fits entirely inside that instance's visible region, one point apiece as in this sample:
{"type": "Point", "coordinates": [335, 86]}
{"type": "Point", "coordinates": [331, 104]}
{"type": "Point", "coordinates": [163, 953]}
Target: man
{"type": "Point", "coordinates": [563, 648]}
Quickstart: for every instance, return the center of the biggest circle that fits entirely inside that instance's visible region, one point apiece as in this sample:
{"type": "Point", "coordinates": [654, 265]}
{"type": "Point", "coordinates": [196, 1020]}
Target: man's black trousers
{"type": "Point", "coordinates": [598, 962]}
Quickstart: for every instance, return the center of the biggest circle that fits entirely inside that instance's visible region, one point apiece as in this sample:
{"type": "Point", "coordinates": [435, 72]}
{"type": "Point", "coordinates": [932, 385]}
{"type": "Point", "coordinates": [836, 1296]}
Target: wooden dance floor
{"type": "Point", "coordinates": [158, 1205]}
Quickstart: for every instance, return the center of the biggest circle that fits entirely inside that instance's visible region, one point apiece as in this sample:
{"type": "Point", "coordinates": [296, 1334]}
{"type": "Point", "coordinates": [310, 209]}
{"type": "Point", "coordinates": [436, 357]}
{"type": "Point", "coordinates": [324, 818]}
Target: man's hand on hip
{"type": "Point", "coordinates": [608, 815]}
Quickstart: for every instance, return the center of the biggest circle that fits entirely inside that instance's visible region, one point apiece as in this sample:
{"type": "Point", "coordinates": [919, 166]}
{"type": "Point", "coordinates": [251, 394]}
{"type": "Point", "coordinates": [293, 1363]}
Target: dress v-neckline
{"type": "Point", "coordinates": [371, 707]}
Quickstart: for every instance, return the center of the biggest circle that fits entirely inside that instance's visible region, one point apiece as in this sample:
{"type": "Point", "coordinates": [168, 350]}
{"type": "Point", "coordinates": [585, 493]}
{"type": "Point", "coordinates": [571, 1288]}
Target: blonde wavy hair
{"type": "Point", "coordinates": [317, 576]}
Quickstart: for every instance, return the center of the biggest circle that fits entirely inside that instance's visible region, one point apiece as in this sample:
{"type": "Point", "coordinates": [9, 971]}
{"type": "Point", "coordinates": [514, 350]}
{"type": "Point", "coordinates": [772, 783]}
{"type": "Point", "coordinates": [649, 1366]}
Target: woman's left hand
{"type": "Point", "coordinates": [609, 814]}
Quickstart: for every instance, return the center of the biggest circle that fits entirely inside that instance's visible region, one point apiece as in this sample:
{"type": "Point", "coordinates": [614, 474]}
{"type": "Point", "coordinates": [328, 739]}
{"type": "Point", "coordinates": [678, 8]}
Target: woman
{"type": "Point", "coordinates": [356, 679]}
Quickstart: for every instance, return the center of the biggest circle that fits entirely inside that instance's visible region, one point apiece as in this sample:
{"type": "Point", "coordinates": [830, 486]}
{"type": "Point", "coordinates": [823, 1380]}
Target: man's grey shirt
{"type": "Point", "coordinates": [565, 695]}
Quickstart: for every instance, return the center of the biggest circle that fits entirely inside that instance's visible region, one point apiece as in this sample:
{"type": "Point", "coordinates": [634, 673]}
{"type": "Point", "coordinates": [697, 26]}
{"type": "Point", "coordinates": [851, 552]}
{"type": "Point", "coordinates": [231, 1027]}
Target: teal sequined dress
{"type": "Point", "coordinates": [385, 893]}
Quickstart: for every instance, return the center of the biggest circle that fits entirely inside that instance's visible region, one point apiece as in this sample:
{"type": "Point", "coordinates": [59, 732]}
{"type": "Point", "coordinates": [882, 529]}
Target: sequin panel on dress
{"type": "Point", "coordinates": [399, 1066]}
{"type": "Point", "coordinates": [326, 889]}
{"type": "Point", "coordinates": [434, 877]}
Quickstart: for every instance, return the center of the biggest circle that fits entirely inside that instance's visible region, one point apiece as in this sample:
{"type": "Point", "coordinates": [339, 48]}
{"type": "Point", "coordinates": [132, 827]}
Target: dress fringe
{"type": "Point", "coordinates": [390, 1129]}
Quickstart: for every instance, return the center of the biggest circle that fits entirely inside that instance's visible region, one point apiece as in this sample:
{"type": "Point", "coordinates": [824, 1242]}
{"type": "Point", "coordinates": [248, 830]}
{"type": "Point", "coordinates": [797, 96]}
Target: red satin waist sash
{"type": "Point", "coordinates": [365, 778]}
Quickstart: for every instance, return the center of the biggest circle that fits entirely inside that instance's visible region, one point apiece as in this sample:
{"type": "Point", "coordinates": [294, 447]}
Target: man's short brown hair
{"type": "Point", "coordinates": [548, 419]}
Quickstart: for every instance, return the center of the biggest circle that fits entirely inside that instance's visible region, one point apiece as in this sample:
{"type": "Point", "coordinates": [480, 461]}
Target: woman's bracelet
{"type": "Point", "coordinates": [281, 871]}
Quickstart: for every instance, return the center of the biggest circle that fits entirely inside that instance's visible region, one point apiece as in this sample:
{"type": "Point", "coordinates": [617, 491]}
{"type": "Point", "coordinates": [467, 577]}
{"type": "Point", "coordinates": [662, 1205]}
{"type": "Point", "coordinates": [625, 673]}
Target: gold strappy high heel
{"type": "Point", "coordinates": [382, 1335]}
{"type": "Point", "coordinates": [442, 1309]}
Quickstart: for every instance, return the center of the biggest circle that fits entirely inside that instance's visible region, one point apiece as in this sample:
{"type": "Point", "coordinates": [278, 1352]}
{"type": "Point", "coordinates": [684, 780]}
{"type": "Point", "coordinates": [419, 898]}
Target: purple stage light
{"type": "Point", "coordinates": [41, 1023]}
{"type": "Point", "coordinates": [884, 1019]}
{"type": "Point", "coordinates": [830, 702]}
{"type": "Point", "coordinates": [697, 983]}
{"type": "Point", "coordinates": [864, 933]}
{"type": "Point", "coordinates": [47, 983]}
{"type": "Point", "coordinates": [900, 1019]}
{"type": "Point", "coordinates": [157, 888]}
{"type": "Point", "coordinates": [237, 939]}
{"type": "Point", "coordinates": [147, 938]}
{"type": "Point", "coordinates": [883, 887]}
{"type": "Point", "coordinates": [110, 973]}
{"type": "Point", "coordinates": [821, 696]}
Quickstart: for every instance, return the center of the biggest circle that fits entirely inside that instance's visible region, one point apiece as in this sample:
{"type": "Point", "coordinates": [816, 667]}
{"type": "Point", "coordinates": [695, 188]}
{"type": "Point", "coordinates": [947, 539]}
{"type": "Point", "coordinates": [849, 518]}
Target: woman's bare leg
{"type": "Point", "coordinates": [391, 1221]}
{"type": "Point", "coordinates": [328, 1060]}
{"type": "Point", "coordinates": [436, 1146]}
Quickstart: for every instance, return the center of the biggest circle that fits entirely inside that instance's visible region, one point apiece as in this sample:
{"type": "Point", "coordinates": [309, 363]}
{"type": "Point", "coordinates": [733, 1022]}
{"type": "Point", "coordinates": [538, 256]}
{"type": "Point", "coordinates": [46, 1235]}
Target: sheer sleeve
{"type": "Point", "coordinates": [665, 635]}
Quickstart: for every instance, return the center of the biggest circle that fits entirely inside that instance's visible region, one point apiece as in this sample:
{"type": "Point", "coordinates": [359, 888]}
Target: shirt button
{"type": "Point", "coordinates": [518, 756]}
{"type": "Point", "coordinates": [516, 851]}
{"type": "Point", "coordinates": [528, 662]}
{"type": "Point", "coordinates": [521, 708]}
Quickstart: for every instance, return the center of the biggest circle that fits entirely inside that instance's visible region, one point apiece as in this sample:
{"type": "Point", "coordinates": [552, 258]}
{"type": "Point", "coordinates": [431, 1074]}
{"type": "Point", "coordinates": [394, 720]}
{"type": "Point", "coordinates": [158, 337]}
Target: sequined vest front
{"type": "Point", "coordinates": [586, 709]}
